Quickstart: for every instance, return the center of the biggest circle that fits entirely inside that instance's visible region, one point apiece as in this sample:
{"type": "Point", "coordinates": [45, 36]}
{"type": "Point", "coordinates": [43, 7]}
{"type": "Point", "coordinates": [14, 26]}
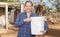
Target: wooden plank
{"type": "Point", "coordinates": [4, 30]}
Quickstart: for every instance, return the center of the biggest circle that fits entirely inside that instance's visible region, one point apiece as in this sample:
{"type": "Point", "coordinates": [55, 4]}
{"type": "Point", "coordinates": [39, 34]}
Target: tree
{"type": "Point", "coordinates": [55, 3]}
{"type": "Point", "coordinates": [9, 0]}
{"type": "Point", "coordinates": [3, 0]}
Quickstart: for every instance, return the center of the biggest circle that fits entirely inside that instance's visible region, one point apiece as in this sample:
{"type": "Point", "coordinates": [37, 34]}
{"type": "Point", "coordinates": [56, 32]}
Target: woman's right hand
{"type": "Point", "coordinates": [27, 20]}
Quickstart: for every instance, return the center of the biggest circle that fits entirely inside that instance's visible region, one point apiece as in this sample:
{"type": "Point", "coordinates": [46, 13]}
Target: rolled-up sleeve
{"type": "Point", "coordinates": [19, 21]}
{"type": "Point", "coordinates": [46, 26]}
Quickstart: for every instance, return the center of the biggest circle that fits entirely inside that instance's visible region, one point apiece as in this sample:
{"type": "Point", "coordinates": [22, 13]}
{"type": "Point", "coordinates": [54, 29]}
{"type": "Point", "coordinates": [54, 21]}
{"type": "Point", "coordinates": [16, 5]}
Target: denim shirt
{"type": "Point", "coordinates": [25, 27]}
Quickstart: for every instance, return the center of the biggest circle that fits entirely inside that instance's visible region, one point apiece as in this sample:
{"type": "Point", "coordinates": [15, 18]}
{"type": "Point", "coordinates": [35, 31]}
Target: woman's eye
{"type": "Point", "coordinates": [28, 6]}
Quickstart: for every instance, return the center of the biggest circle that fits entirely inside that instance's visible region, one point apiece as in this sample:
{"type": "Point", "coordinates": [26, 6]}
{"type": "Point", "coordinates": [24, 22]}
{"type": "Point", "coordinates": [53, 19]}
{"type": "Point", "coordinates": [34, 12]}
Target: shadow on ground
{"type": "Point", "coordinates": [53, 32]}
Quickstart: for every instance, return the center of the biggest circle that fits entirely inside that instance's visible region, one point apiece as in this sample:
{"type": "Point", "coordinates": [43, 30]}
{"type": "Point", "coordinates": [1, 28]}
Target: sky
{"type": "Point", "coordinates": [31, 0]}
{"type": "Point", "coordinates": [46, 2]}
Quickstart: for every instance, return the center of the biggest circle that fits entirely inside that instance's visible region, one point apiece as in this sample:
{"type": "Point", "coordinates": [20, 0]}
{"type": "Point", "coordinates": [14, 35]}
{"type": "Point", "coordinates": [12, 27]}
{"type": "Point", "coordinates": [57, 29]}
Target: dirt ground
{"type": "Point", "coordinates": [54, 31]}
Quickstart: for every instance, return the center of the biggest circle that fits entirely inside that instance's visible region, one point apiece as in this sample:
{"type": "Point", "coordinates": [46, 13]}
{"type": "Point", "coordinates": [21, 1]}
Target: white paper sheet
{"type": "Point", "coordinates": [37, 25]}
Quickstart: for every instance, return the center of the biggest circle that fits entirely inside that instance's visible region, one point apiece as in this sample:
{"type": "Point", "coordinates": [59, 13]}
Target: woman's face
{"type": "Point", "coordinates": [28, 7]}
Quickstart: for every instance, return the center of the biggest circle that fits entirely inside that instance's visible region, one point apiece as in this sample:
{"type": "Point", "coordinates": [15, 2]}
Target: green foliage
{"type": "Point", "coordinates": [3, 0]}
{"type": "Point", "coordinates": [9, 0]}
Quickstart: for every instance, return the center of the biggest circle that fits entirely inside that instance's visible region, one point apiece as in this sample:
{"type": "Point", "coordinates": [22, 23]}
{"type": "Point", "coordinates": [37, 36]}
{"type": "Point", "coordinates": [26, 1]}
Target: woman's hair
{"type": "Point", "coordinates": [28, 2]}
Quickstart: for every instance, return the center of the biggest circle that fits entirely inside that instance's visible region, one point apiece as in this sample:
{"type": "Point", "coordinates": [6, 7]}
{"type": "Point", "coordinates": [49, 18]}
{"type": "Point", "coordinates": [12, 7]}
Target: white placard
{"type": "Point", "coordinates": [37, 25]}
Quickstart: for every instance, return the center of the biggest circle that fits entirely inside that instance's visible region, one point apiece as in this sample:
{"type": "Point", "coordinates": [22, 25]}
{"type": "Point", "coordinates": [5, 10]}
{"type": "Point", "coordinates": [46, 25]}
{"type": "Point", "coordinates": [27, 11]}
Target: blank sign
{"type": "Point", "coordinates": [37, 25]}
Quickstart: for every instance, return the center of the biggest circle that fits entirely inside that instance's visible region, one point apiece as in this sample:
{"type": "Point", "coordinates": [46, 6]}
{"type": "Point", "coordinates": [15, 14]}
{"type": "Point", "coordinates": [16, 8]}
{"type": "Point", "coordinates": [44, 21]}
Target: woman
{"type": "Point", "coordinates": [23, 21]}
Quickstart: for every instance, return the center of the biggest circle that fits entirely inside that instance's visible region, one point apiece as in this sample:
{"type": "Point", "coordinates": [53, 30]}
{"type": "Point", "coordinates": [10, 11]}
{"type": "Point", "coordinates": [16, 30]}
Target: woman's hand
{"type": "Point", "coordinates": [43, 32]}
{"type": "Point", "coordinates": [27, 20]}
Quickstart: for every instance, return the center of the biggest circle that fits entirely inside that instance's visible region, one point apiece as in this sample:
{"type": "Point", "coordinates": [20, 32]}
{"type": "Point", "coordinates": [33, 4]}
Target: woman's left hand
{"type": "Point", "coordinates": [43, 32]}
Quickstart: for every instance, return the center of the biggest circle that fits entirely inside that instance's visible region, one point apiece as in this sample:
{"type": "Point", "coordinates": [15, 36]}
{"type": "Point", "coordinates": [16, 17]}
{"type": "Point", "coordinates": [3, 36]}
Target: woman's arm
{"type": "Point", "coordinates": [19, 21]}
{"type": "Point", "coordinates": [46, 26]}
